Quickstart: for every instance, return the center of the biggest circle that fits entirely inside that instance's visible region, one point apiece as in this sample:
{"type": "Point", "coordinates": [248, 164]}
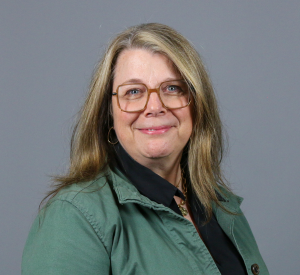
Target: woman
{"type": "Point", "coordinates": [144, 193]}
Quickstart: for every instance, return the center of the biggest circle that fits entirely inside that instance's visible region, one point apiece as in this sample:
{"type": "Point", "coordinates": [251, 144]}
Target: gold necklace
{"type": "Point", "coordinates": [182, 209]}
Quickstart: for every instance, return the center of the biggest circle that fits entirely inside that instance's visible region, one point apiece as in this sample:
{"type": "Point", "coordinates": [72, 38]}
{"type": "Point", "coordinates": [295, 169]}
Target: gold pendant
{"type": "Point", "coordinates": [184, 211]}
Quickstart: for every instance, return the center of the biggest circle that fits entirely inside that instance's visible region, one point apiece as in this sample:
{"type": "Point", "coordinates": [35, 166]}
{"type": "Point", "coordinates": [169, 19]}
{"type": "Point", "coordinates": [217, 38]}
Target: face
{"type": "Point", "coordinates": [156, 132]}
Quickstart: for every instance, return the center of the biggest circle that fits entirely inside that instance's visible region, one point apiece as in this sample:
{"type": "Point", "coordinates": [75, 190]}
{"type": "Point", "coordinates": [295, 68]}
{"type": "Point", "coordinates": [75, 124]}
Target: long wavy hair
{"type": "Point", "coordinates": [90, 151]}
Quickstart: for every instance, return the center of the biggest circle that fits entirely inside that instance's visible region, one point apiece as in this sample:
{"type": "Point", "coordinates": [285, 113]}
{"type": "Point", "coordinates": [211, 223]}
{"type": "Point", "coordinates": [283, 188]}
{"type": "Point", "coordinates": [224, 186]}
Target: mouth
{"type": "Point", "coordinates": [155, 130]}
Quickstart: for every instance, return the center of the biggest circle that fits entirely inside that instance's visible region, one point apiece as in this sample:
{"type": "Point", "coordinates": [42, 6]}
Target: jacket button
{"type": "Point", "coordinates": [255, 269]}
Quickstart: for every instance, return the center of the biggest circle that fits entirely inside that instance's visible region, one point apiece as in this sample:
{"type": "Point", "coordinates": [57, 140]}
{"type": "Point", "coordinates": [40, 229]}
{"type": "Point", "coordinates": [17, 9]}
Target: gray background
{"type": "Point", "coordinates": [48, 50]}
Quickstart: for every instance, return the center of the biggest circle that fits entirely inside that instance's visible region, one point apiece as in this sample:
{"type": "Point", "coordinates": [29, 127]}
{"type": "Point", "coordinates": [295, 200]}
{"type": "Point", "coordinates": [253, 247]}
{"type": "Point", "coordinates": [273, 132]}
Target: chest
{"type": "Point", "coordinates": [158, 242]}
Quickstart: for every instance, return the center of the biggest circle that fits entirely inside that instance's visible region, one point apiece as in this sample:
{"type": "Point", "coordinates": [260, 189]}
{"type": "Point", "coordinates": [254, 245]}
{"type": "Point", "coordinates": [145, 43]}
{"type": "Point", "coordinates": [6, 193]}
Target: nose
{"type": "Point", "coordinates": [154, 106]}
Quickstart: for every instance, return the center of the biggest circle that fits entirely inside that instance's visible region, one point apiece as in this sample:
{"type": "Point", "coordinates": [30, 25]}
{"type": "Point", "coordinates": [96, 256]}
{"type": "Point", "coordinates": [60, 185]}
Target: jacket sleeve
{"type": "Point", "coordinates": [64, 240]}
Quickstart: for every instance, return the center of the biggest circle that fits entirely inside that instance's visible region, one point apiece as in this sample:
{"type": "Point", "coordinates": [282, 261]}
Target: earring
{"type": "Point", "coordinates": [108, 137]}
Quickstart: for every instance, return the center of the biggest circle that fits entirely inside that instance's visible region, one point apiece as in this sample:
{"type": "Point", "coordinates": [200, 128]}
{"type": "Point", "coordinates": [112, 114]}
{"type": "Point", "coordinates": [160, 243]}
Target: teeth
{"type": "Point", "coordinates": [151, 129]}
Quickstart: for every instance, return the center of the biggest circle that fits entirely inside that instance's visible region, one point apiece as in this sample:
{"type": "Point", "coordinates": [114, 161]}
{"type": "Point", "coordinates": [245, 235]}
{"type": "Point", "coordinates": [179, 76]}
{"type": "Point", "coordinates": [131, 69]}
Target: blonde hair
{"type": "Point", "coordinates": [90, 150]}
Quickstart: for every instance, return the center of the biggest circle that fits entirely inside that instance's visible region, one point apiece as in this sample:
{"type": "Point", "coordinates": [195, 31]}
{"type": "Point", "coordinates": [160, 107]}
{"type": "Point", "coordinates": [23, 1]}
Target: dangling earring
{"type": "Point", "coordinates": [113, 143]}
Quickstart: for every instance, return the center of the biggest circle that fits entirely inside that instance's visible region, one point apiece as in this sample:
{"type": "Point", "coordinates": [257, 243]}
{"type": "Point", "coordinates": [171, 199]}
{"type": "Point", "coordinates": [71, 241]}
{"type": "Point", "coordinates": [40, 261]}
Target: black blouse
{"type": "Point", "coordinates": [226, 256]}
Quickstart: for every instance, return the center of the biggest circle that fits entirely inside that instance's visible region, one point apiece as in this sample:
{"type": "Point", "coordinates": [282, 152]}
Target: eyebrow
{"type": "Point", "coordinates": [137, 80]}
{"type": "Point", "coordinates": [133, 80]}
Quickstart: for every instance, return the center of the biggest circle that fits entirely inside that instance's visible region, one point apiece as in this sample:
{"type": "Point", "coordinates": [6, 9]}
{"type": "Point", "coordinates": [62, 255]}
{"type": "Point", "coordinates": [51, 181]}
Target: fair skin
{"type": "Point", "coordinates": [156, 136]}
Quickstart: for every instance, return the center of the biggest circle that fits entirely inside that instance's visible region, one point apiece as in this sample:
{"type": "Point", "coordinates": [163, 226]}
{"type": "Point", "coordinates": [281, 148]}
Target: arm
{"type": "Point", "coordinates": [63, 241]}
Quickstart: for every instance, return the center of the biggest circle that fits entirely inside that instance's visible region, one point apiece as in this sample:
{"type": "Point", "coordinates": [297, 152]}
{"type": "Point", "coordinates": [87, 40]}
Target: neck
{"type": "Point", "coordinates": [168, 169]}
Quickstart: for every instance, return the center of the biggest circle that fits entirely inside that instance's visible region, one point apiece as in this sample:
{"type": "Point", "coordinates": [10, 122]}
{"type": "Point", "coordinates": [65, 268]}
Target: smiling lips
{"type": "Point", "coordinates": [155, 130]}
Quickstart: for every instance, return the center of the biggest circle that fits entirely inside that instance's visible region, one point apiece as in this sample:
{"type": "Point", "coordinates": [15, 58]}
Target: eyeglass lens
{"type": "Point", "coordinates": [173, 94]}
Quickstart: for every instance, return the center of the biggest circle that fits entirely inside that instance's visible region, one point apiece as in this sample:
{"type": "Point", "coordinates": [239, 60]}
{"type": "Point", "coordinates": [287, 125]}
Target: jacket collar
{"type": "Point", "coordinates": [146, 181]}
{"type": "Point", "coordinates": [127, 192]}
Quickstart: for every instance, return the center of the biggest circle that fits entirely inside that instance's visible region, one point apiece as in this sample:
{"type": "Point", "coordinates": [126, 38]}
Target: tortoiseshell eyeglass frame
{"type": "Point", "coordinates": [149, 91]}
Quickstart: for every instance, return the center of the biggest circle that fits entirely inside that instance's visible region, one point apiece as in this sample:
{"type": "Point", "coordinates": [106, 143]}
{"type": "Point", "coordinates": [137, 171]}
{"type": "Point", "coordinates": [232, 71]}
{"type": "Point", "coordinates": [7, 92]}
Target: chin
{"type": "Point", "coordinates": [157, 151]}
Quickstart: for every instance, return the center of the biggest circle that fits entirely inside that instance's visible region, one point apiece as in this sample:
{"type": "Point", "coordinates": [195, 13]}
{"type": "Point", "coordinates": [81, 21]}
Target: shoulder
{"type": "Point", "coordinates": [69, 232]}
{"type": "Point", "coordinates": [85, 205]}
{"type": "Point", "coordinates": [82, 191]}
{"type": "Point", "coordinates": [92, 196]}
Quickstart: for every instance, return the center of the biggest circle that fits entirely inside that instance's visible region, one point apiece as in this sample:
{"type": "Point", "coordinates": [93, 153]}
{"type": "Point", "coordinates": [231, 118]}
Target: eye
{"type": "Point", "coordinates": [173, 88]}
{"type": "Point", "coordinates": [133, 92]}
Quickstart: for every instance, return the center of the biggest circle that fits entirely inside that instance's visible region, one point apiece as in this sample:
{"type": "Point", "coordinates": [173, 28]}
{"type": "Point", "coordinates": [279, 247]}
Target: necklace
{"type": "Point", "coordinates": [182, 209]}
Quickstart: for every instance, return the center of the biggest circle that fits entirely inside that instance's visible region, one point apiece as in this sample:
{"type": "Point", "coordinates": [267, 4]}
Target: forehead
{"type": "Point", "coordinates": [145, 66]}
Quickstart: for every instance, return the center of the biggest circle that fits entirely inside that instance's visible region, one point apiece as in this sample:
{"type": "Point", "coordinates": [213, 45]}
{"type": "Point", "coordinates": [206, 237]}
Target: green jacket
{"type": "Point", "coordinates": [107, 227]}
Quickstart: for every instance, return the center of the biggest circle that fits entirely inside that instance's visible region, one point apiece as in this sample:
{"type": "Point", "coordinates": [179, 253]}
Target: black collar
{"type": "Point", "coordinates": [147, 182]}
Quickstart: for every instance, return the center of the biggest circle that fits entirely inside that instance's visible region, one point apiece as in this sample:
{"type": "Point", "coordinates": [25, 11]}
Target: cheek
{"type": "Point", "coordinates": [184, 117]}
{"type": "Point", "coordinates": [123, 125]}
{"type": "Point", "coordinates": [189, 119]}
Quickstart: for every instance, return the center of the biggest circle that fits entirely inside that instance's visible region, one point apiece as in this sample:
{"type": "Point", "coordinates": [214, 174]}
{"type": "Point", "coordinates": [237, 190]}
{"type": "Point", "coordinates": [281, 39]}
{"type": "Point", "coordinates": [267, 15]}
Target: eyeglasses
{"type": "Point", "coordinates": [174, 94]}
